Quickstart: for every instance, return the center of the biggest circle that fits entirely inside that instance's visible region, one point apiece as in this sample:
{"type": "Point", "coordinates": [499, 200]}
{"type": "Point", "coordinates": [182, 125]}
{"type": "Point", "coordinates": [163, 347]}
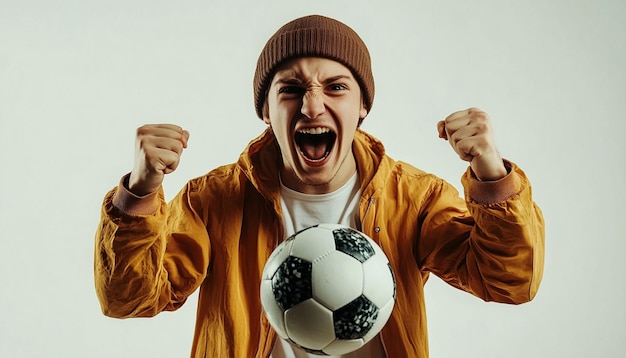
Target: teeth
{"type": "Point", "coordinates": [316, 130]}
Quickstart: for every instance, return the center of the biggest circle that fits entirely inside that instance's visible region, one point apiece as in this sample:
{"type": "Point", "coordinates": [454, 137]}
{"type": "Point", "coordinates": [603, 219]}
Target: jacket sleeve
{"type": "Point", "coordinates": [149, 255]}
{"type": "Point", "coordinates": [491, 245]}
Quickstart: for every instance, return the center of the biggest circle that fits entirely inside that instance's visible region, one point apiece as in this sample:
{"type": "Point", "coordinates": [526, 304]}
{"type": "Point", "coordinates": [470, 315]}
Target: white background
{"type": "Point", "coordinates": [78, 77]}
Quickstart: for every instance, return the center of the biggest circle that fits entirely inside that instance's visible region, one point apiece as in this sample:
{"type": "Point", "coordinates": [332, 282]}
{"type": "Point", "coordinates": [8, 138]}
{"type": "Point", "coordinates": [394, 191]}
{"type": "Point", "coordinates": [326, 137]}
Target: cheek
{"type": "Point", "coordinates": [281, 111]}
{"type": "Point", "coordinates": [352, 108]}
{"type": "Point", "coordinates": [344, 141]}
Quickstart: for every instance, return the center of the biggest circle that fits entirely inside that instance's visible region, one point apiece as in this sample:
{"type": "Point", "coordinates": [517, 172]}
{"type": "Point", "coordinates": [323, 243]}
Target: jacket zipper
{"type": "Point", "coordinates": [371, 202]}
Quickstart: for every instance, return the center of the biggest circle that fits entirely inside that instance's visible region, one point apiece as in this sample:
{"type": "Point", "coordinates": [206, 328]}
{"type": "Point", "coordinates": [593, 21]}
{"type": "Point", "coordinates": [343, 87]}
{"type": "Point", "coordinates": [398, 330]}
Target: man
{"type": "Point", "coordinates": [313, 86]}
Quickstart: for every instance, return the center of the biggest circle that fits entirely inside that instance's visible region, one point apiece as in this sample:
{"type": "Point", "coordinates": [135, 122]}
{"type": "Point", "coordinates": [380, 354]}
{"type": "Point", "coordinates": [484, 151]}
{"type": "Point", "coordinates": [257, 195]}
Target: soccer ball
{"type": "Point", "coordinates": [328, 289]}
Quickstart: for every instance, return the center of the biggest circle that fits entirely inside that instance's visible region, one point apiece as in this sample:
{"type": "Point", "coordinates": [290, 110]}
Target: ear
{"type": "Point", "coordinates": [362, 112]}
{"type": "Point", "coordinates": [266, 113]}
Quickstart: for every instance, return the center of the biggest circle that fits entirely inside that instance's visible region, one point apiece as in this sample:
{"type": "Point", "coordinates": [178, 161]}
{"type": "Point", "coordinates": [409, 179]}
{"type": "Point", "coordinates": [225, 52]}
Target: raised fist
{"type": "Point", "coordinates": [471, 136]}
{"type": "Point", "coordinates": [158, 148]}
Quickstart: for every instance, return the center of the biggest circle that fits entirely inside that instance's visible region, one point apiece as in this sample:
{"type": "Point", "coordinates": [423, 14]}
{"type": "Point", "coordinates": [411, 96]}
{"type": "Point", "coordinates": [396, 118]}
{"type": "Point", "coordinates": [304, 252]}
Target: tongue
{"type": "Point", "coordinates": [312, 151]}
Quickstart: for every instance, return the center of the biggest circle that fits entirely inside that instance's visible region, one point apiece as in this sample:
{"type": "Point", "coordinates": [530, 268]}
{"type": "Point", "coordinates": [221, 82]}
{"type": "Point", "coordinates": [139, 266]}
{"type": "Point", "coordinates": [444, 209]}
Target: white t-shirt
{"type": "Point", "coordinates": [303, 210]}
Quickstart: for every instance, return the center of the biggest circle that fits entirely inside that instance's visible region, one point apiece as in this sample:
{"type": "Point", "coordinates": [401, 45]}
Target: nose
{"type": "Point", "coordinates": [313, 104]}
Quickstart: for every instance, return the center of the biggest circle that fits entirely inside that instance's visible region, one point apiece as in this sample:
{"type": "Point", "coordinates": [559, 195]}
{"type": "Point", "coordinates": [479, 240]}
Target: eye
{"type": "Point", "coordinates": [337, 87]}
{"type": "Point", "coordinates": [291, 90]}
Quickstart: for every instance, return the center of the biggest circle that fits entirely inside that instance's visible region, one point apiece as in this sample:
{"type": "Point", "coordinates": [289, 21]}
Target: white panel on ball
{"type": "Point", "coordinates": [312, 244]}
{"type": "Point", "coordinates": [310, 324]}
{"type": "Point", "coordinates": [378, 283]}
{"type": "Point", "coordinates": [337, 279]}
{"type": "Point", "coordinates": [274, 313]}
{"type": "Point", "coordinates": [340, 347]}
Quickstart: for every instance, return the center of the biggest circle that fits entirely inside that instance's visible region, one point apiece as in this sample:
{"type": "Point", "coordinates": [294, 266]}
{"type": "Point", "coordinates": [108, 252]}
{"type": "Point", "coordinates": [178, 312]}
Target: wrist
{"type": "Point", "coordinates": [488, 168]}
{"type": "Point", "coordinates": [132, 204]}
{"type": "Point", "coordinates": [138, 187]}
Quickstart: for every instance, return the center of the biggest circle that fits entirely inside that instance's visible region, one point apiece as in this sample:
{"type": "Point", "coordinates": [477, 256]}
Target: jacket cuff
{"type": "Point", "coordinates": [130, 204]}
{"type": "Point", "coordinates": [496, 191]}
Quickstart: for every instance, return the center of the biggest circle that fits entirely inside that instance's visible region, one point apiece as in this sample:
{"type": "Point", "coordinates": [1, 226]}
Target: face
{"type": "Point", "coordinates": [314, 107]}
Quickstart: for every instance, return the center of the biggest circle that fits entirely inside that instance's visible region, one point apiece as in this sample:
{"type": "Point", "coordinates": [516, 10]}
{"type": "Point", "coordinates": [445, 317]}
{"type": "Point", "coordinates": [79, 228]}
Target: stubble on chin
{"type": "Point", "coordinates": [319, 185]}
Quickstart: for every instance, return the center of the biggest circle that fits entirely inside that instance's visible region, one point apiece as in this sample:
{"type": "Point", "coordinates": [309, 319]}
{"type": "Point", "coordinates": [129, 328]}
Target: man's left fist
{"type": "Point", "coordinates": [471, 136]}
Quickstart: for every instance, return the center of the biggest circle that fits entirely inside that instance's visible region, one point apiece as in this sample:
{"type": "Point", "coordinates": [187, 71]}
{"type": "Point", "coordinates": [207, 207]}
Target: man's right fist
{"type": "Point", "coordinates": [157, 152]}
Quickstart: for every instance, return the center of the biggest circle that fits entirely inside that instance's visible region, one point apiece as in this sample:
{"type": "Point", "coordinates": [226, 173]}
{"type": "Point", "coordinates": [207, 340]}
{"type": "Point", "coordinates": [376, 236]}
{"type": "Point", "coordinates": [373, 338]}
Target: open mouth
{"type": "Point", "coordinates": [315, 144]}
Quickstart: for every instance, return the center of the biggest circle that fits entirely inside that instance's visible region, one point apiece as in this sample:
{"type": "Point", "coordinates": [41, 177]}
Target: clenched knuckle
{"type": "Point", "coordinates": [143, 129]}
{"type": "Point", "coordinates": [142, 141]}
{"type": "Point", "coordinates": [480, 116]}
{"type": "Point", "coordinates": [482, 126]}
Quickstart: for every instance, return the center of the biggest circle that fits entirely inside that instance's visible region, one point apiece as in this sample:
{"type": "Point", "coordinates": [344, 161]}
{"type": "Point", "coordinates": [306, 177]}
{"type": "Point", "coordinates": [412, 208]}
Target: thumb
{"type": "Point", "coordinates": [185, 138]}
{"type": "Point", "coordinates": [441, 128]}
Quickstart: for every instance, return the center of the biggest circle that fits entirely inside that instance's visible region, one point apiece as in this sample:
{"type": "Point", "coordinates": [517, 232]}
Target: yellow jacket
{"type": "Point", "coordinates": [217, 233]}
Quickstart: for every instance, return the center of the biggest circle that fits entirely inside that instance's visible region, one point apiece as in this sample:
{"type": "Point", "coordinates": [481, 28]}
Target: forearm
{"type": "Point", "coordinates": [147, 262]}
{"type": "Point", "coordinates": [493, 249]}
{"type": "Point", "coordinates": [505, 259]}
{"type": "Point", "coordinates": [128, 259]}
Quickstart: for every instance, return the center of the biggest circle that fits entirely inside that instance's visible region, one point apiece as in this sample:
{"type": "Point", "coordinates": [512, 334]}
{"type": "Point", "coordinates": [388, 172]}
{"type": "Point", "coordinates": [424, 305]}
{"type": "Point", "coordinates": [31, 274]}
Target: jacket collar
{"type": "Point", "coordinates": [369, 153]}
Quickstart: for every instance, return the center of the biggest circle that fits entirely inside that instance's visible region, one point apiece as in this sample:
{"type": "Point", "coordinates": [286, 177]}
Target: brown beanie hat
{"type": "Point", "coordinates": [315, 36]}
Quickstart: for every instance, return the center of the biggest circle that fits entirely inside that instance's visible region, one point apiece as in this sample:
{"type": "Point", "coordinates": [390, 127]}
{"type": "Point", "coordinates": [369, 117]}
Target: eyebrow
{"type": "Point", "coordinates": [339, 77]}
{"type": "Point", "coordinates": [288, 81]}
{"type": "Point", "coordinates": [293, 80]}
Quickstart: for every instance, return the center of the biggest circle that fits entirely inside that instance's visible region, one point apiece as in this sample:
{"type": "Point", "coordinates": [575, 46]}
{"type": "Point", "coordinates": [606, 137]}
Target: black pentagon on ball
{"type": "Point", "coordinates": [355, 319]}
{"type": "Point", "coordinates": [291, 283]}
{"type": "Point", "coordinates": [353, 243]}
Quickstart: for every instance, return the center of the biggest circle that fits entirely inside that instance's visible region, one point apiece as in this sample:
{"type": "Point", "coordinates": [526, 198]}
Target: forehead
{"type": "Point", "coordinates": [311, 68]}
